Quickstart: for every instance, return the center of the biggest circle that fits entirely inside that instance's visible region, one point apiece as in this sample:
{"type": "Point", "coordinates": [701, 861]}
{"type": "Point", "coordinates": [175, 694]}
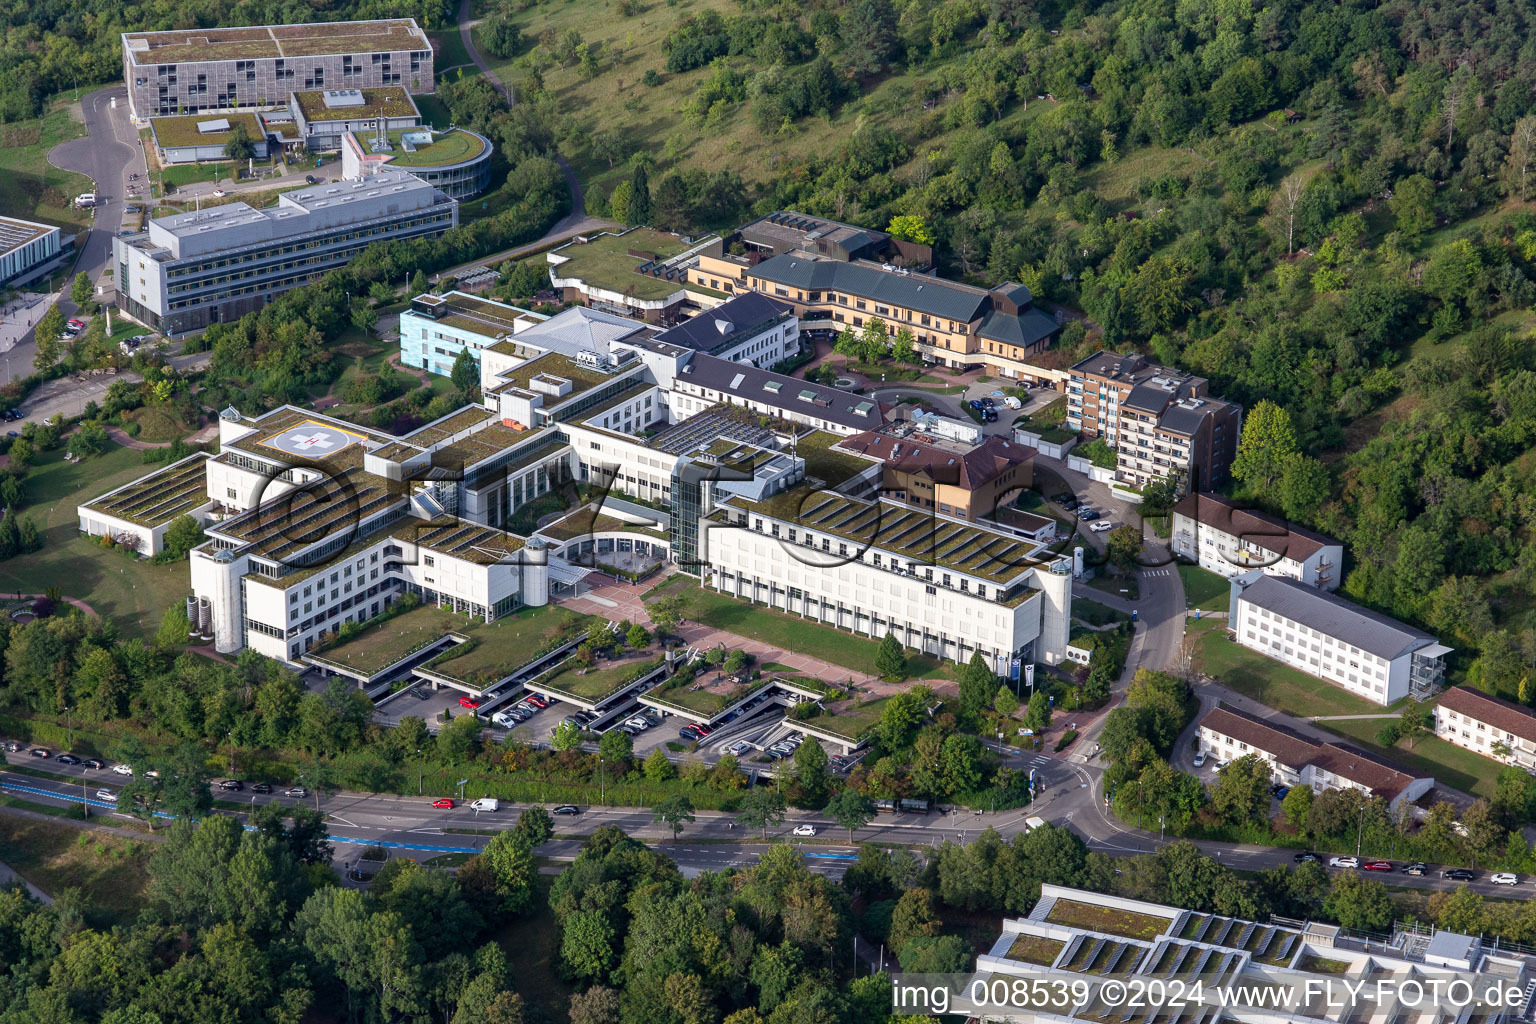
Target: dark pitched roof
{"type": "Point", "coordinates": [1258, 529]}
{"type": "Point", "coordinates": [1503, 715]}
{"type": "Point", "coordinates": [777, 390]}
{"type": "Point", "coordinates": [1016, 293]}
{"type": "Point", "coordinates": [1183, 419]}
{"type": "Point", "coordinates": [1028, 328]}
{"type": "Point", "coordinates": [970, 469]}
{"type": "Point", "coordinates": [718, 328]}
{"type": "Point", "coordinates": [1296, 751]}
{"type": "Point", "coordinates": [931, 295]}
{"type": "Point", "coordinates": [1103, 364]}
{"type": "Point", "coordinates": [1328, 613]}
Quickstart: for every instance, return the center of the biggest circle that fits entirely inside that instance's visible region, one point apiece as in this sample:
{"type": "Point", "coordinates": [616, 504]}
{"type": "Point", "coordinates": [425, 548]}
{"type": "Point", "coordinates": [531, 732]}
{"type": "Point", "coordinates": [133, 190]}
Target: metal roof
{"type": "Point", "coordinates": [718, 328]}
{"type": "Point", "coordinates": [931, 295]}
{"type": "Point", "coordinates": [1331, 615]}
{"type": "Point", "coordinates": [790, 395]}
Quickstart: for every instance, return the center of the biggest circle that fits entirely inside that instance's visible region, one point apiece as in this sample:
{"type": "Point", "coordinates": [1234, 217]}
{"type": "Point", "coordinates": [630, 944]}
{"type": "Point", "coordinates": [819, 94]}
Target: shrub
{"type": "Point", "coordinates": [1066, 739]}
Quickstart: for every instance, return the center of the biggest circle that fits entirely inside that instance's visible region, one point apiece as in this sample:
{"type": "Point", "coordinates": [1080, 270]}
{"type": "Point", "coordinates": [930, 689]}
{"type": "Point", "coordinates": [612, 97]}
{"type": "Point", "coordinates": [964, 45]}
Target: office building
{"type": "Point", "coordinates": [192, 269]}
{"type": "Point", "coordinates": [1225, 734]}
{"type": "Point", "coordinates": [198, 137]}
{"type": "Point", "coordinates": [1319, 633]}
{"type": "Point", "coordinates": [1487, 725]}
{"type": "Point", "coordinates": [1080, 952]}
{"type": "Point", "coordinates": [436, 328]}
{"type": "Point", "coordinates": [749, 328]}
{"type": "Point", "coordinates": [1160, 422]}
{"type": "Point", "coordinates": [29, 250]}
{"type": "Point", "coordinates": [323, 116]}
{"type": "Point", "coordinates": [1227, 539]}
{"type": "Point", "coordinates": [191, 71]}
{"type": "Point", "coordinates": [456, 162]}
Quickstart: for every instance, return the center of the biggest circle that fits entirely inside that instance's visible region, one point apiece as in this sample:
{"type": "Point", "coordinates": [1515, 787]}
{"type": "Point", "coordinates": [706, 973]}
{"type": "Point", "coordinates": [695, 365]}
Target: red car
{"type": "Point", "coordinates": [470, 702]}
{"type": "Point", "coordinates": [536, 701]}
{"type": "Point", "coordinates": [1376, 865]}
{"type": "Point", "coordinates": [704, 730]}
{"type": "Point", "coordinates": [443, 803]}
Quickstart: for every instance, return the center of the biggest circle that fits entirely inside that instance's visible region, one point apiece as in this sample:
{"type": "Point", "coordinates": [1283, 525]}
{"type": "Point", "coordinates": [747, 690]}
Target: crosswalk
{"type": "Point", "coordinates": [1157, 572]}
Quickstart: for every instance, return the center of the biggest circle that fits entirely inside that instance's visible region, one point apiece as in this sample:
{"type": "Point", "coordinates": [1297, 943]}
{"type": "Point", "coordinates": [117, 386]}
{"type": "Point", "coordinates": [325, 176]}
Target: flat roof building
{"type": "Point", "coordinates": [195, 137]}
{"type": "Point", "coordinates": [640, 272]}
{"type": "Point", "coordinates": [29, 250]}
{"type": "Point", "coordinates": [323, 116]}
{"type": "Point", "coordinates": [1369, 654]}
{"type": "Point", "coordinates": [456, 162]}
{"type": "Point", "coordinates": [192, 269]}
{"type": "Point", "coordinates": [190, 71]}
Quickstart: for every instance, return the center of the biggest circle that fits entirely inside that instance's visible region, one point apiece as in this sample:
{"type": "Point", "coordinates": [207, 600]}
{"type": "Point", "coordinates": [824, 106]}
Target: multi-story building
{"type": "Point", "coordinates": [749, 328]}
{"type": "Point", "coordinates": [436, 328]}
{"type": "Point", "coordinates": [1078, 952]}
{"type": "Point", "coordinates": [189, 71]}
{"type": "Point", "coordinates": [188, 270]}
{"type": "Point", "coordinates": [948, 477]}
{"type": "Point", "coordinates": [323, 116]}
{"type": "Point", "coordinates": [1225, 733]}
{"type": "Point", "coordinates": [637, 273]}
{"type": "Point", "coordinates": [29, 250]}
{"type": "Point", "coordinates": [952, 324]}
{"type": "Point", "coordinates": [457, 162]}
{"type": "Point", "coordinates": [1159, 421]}
{"type": "Point", "coordinates": [1319, 633]}
{"type": "Point", "coordinates": [703, 382]}
{"type": "Point", "coordinates": [1488, 725]}
{"type": "Point", "coordinates": [1228, 539]}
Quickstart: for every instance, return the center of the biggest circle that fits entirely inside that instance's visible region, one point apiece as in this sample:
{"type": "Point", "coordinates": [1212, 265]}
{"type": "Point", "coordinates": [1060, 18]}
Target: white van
{"type": "Point", "coordinates": [1033, 823]}
{"type": "Point", "coordinates": [485, 803]}
{"type": "Point", "coordinates": [85, 199]}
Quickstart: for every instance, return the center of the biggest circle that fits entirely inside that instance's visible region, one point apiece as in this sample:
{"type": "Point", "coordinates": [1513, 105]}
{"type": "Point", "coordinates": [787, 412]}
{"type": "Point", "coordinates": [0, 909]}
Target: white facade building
{"type": "Point", "coordinates": [1226, 734]}
{"type": "Point", "coordinates": [1323, 635]}
{"type": "Point", "coordinates": [1227, 540]}
{"type": "Point", "coordinates": [1479, 722]}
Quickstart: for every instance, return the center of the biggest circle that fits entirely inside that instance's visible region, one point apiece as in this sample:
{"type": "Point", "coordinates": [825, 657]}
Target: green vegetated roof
{"type": "Point", "coordinates": [605, 262]}
{"type": "Point", "coordinates": [850, 721]}
{"type": "Point", "coordinates": [173, 132]}
{"type": "Point", "coordinates": [595, 683]}
{"type": "Point", "coordinates": [159, 497]}
{"type": "Point", "coordinates": [495, 650]}
{"type": "Point", "coordinates": [700, 699]}
{"type": "Point", "coordinates": [382, 643]}
{"type": "Point", "coordinates": [586, 521]}
{"type": "Point", "coordinates": [391, 99]}
{"type": "Point", "coordinates": [454, 147]}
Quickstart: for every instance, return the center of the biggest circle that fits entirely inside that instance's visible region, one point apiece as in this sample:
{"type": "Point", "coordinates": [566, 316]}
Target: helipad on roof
{"type": "Point", "coordinates": [312, 438]}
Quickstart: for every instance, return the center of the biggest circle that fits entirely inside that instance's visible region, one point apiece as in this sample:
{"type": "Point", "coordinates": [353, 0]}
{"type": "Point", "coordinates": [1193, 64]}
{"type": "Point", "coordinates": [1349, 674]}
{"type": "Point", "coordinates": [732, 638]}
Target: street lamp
{"type": "Point", "coordinates": [418, 771]}
{"type": "Point", "coordinates": [69, 730]}
{"type": "Point", "coordinates": [602, 791]}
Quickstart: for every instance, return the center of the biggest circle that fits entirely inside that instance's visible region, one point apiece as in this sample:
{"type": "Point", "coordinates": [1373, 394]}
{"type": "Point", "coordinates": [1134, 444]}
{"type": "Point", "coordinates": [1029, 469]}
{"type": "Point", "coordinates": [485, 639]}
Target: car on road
{"type": "Point", "coordinates": [1200, 759]}
{"type": "Point", "coordinates": [310, 179]}
{"type": "Point", "coordinates": [298, 791]}
{"type": "Point", "coordinates": [234, 784]}
{"type": "Point", "coordinates": [1377, 865]}
{"type": "Point", "coordinates": [1458, 874]}
{"type": "Point", "coordinates": [122, 769]}
{"type": "Point", "coordinates": [1344, 862]}
{"type": "Point", "coordinates": [805, 830]}
{"type": "Point", "coordinates": [107, 795]}
{"type": "Point", "coordinates": [485, 803]}
{"type": "Point", "coordinates": [220, 193]}
{"type": "Point", "coordinates": [1504, 878]}
{"type": "Point", "coordinates": [12, 746]}
{"type": "Point", "coordinates": [93, 764]}
{"type": "Point", "coordinates": [1102, 526]}
{"type": "Point", "coordinates": [565, 809]}
{"type": "Point", "coordinates": [443, 804]}
{"type": "Point", "coordinates": [262, 787]}
{"type": "Point", "coordinates": [1416, 868]}
{"type": "Point", "coordinates": [1305, 858]}
{"type": "Point", "coordinates": [67, 759]}
{"type": "Point", "coordinates": [40, 752]}
{"type": "Point", "coordinates": [470, 702]}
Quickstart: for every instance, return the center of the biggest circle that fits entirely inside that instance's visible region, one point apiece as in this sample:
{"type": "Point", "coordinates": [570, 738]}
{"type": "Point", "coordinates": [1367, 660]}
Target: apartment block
{"type": "Point", "coordinates": [189, 270]}
{"type": "Point", "coordinates": [1480, 722]}
{"type": "Point", "coordinates": [190, 71]}
{"type": "Point", "coordinates": [1225, 733]}
{"type": "Point", "coordinates": [1159, 421]}
{"type": "Point", "coordinates": [1227, 539]}
{"type": "Point", "coordinates": [1319, 633]}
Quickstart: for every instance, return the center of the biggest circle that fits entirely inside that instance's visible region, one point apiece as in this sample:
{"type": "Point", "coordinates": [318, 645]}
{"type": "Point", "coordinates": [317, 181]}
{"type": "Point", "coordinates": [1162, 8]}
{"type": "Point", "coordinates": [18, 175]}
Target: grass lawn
{"type": "Point", "coordinates": [1107, 919]}
{"type": "Point", "coordinates": [433, 110]}
{"type": "Point", "coordinates": [34, 188]}
{"type": "Point", "coordinates": [1204, 589]}
{"type": "Point", "coordinates": [155, 425]}
{"type": "Point", "coordinates": [1124, 587]}
{"type": "Point", "coordinates": [124, 328]}
{"type": "Point", "coordinates": [379, 646]}
{"type": "Point", "coordinates": [1096, 614]}
{"type": "Point", "coordinates": [450, 54]}
{"type": "Point", "coordinates": [1267, 681]}
{"type": "Point", "coordinates": [794, 634]}
{"type": "Point", "coordinates": [1454, 766]}
{"type": "Point", "coordinates": [177, 175]}
{"type": "Point", "coordinates": [107, 868]}
{"type": "Point", "coordinates": [596, 683]}
{"type": "Point", "coordinates": [130, 591]}
{"type": "Point", "coordinates": [497, 649]}
{"type": "Point", "coordinates": [849, 720]}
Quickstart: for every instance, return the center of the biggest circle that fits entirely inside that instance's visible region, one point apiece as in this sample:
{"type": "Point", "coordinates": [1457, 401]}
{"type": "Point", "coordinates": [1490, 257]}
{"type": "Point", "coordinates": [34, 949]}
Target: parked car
{"type": "Point", "coordinates": [262, 787]}
{"type": "Point", "coordinates": [298, 791]}
{"type": "Point", "coordinates": [40, 752]}
{"type": "Point", "coordinates": [107, 795]}
{"type": "Point", "coordinates": [1504, 878]}
{"type": "Point", "coordinates": [443, 804]}
{"type": "Point", "coordinates": [1458, 874]}
{"type": "Point", "coordinates": [805, 830]}
{"type": "Point", "coordinates": [1087, 515]}
{"type": "Point", "coordinates": [421, 694]}
{"type": "Point", "coordinates": [505, 719]}
{"type": "Point", "coordinates": [470, 702]}
{"type": "Point", "coordinates": [536, 700]}
{"type": "Point", "coordinates": [1344, 862]}
{"type": "Point", "coordinates": [1305, 858]}
{"type": "Point", "coordinates": [688, 732]}
{"type": "Point", "coordinates": [485, 803]}
{"type": "Point", "coordinates": [565, 809]}
{"type": "Point", "coordinates": [67, 759]}
{"type": "Point", "coordinates": [1281, 791]}
{"type": "Point", "coordinates": [704, 730]}
{"type": "Point", "coordinates": [1416, 868]}
{"type": "Point", "coordinates": [738, 748]}
{"type": "Point", "coordinates": [234, 784]}
{"type": "Point", "coordinates": [573, 720]}
{"type": "Point", "coordinates": [93, 764]}
{"type": "Point", "coordinates": [1199, 759]}
{"type": "Point", "coordinates": [1377, 865]}
{"type": "Point", "coordinates": [220, 193]}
